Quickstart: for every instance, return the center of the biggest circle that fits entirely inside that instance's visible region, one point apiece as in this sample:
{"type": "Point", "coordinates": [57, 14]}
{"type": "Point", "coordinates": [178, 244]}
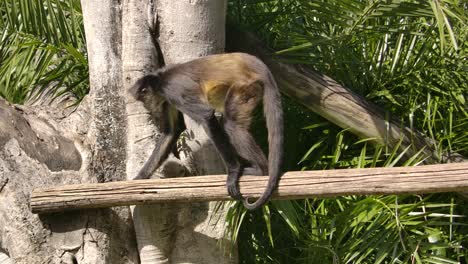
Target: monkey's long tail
{"type": "Point", "coordinates": [274, 121]}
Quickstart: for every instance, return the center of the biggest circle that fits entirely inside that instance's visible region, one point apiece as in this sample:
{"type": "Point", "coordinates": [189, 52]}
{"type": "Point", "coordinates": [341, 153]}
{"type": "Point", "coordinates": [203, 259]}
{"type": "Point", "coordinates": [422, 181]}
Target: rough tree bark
{"type": "Point", "coordinates": [53, 145]}
{"type": "Point", "coordinates": [27, 140]}
{"type": "Point", "coordinates": [103, 29]}
{"type": "Point", "coordinates": [91, 236]}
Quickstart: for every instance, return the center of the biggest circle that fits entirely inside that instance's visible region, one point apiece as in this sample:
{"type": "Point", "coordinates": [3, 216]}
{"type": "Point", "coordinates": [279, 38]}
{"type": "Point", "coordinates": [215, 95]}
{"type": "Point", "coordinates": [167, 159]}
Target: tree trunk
{"type": "Point", "coordinates": [154, 224]}
{"type": "Point", "coordinates": [103, 28]}
{"type": "Point", "coordinates": [169, 232]}
{"type": "Point", "coordinates": [54, 145]}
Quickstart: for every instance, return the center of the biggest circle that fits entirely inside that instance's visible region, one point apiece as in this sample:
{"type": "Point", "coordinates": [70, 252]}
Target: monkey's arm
{"type": "Point", "coordinates": [172, 127]}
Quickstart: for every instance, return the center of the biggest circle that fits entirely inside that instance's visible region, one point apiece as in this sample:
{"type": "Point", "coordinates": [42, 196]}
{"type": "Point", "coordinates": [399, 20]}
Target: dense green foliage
{"type": "Point", "coordinates": [409, 57]}
{"type": "Point", "coordinates": [42, 50]}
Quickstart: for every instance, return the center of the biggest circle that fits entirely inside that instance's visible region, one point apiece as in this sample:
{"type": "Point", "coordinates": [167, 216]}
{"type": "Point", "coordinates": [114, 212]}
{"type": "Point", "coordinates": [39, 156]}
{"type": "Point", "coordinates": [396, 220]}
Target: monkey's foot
{"type": "Point", "coordinates": [233, 190]}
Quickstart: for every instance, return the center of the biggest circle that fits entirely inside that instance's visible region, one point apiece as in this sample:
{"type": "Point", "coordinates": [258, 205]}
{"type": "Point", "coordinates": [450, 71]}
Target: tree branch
{"type": "Point", "coordinates": [293, 185]}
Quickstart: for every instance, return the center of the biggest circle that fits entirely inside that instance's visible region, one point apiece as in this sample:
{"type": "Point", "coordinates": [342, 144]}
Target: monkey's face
{"type": "Point", "coordinates": [143, 93]}
{"type": "Point", "coordinates": [140, 90]}
{"type": "Point", "coordinates": [148, 96]}
{"type": "Point", "coordinates": [145, 86]}
{"type": "Point", "coordinates": [150, 99]}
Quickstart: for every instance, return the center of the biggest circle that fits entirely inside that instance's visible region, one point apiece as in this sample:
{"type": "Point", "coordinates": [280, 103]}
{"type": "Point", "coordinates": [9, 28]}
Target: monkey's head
{"type": "Point", "coordinates": [145, 89]}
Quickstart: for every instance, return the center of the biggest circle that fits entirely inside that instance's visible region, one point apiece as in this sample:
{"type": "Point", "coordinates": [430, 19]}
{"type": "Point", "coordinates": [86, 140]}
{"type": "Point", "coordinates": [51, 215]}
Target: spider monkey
{"type": "Point", "coordinates": [232, 84]}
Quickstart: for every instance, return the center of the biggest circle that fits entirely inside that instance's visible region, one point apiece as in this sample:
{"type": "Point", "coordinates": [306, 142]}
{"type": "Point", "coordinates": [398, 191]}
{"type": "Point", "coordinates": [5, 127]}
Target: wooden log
{"type": "Point", "coordinates": [293, 185]}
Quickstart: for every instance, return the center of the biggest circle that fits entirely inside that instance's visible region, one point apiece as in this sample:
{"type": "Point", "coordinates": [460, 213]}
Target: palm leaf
{"type": "Point", "coordinates": [41, 53]}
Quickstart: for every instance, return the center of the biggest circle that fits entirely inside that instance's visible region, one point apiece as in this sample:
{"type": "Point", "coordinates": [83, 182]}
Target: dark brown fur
{"type": "Point", "coordinates": [232, 84]}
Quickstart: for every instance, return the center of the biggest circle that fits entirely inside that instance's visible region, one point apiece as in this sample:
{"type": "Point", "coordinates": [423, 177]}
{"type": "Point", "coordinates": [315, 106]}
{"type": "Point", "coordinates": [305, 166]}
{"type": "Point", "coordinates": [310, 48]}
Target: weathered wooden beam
{"type": "Point", "coordinates": [293, 185]}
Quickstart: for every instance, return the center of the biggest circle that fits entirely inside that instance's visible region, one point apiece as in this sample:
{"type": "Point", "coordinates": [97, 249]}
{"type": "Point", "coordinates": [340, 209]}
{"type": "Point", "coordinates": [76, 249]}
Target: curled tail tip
{"type": "Point", "coordinates": [249, 206]}
{"type": "Point", "coordinates": [253, 206]}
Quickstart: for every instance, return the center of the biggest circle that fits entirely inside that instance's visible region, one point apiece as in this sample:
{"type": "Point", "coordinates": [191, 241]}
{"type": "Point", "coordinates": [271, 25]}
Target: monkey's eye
{"type": "Point", "coordinates": [144, 90]}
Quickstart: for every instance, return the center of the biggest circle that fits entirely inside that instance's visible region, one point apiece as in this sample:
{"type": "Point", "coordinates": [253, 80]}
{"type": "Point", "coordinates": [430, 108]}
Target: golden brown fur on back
{"type": "Point", "coordinates": [220, 74]}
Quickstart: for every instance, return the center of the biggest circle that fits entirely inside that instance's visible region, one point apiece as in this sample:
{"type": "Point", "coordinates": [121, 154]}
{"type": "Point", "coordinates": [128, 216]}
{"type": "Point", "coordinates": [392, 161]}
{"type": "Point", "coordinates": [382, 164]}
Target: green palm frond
{"type": "Point", "coordinates": [409, 57]}
{"type": "Point", "coordinates": [41, 50]}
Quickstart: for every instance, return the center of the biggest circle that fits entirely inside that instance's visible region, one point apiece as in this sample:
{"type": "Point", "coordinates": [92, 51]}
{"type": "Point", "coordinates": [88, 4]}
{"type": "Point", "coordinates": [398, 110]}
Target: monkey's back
{"type": "Point", "coordinates": [218, 74]}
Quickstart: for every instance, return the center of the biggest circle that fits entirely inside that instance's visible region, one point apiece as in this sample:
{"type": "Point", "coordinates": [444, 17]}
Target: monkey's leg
{"type": "Point", "coordinates": [204, 115]}
{"type": "Point", "coordinates": [228, 154]}
{"type": "Point", "coordinates": [239, 106]}
{"type": "Point", "coordinates": [247, 148]}
{"type": "Point", "coordinates": [172, 127]}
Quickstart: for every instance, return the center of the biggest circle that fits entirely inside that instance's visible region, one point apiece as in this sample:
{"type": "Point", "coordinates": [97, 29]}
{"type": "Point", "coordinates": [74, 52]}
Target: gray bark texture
{"type": "Point", "coordinates": [50, 146]}
{"type": "Point", "coordinates": [54, 145]}
{"type": "Point", "coordinates": [103, 28]}
{"type": "Point", "coordinates": [26, 135]}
